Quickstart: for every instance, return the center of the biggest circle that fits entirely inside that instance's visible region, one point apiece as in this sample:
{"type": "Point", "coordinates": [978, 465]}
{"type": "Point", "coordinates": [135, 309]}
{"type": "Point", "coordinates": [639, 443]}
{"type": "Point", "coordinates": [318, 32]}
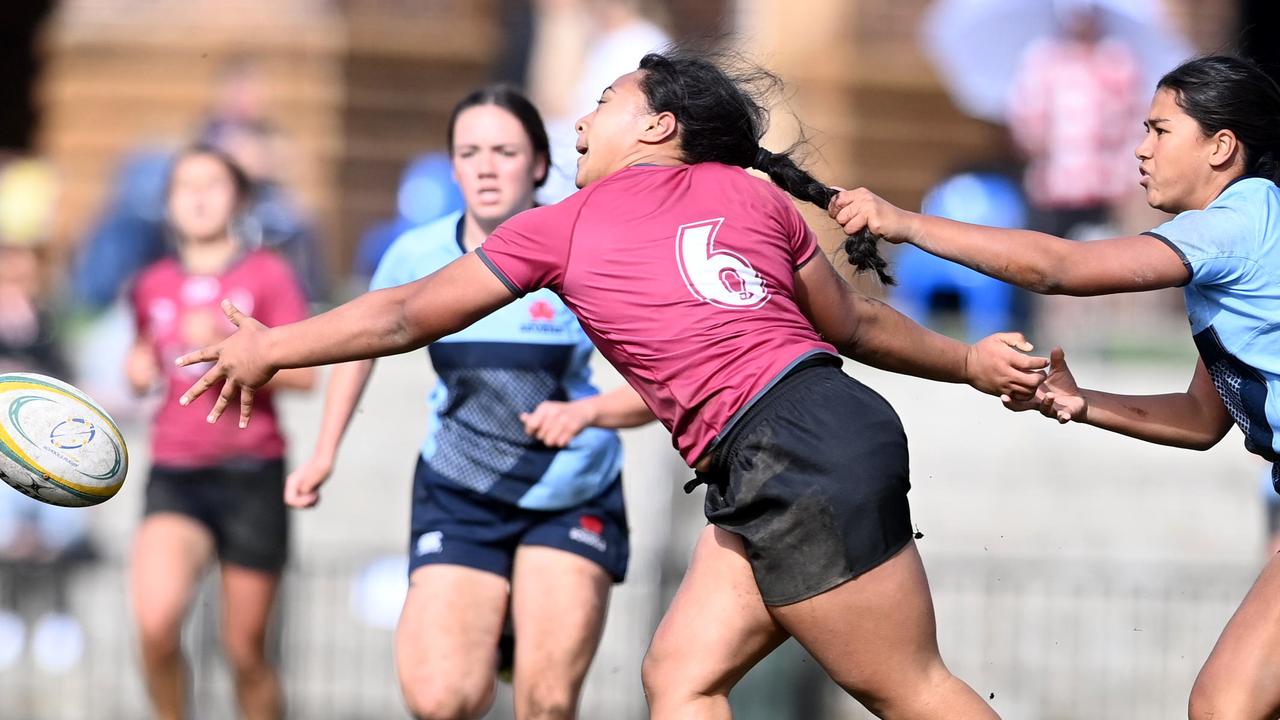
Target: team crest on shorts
{"type": "Point", "coordinates": [590, 531]}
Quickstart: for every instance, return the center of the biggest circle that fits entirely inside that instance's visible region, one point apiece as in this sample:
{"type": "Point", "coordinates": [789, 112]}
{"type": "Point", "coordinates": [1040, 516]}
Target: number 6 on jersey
{"type": "Point", "coordinates": [720, 277]}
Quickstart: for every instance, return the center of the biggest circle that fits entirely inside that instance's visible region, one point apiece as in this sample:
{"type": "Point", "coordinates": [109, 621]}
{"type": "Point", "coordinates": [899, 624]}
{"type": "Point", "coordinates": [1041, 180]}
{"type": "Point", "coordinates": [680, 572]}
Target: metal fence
{"type": "Point", "coordinates": [1050, 639]}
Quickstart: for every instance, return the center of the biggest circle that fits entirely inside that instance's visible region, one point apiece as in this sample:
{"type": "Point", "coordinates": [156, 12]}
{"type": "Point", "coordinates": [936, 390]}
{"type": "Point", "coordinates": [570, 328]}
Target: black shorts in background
{"type": "Point", "coordinates": [241, 505]}
{"type": "Point", "coordinates": [814, 478]}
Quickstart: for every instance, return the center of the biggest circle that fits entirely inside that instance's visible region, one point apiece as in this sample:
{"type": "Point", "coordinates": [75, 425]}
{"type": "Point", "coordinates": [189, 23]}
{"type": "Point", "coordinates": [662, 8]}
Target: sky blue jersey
{"type": "Point", "coordinates": [503, 365]}
{"type": "Point", "coordinates": [1232, 249]}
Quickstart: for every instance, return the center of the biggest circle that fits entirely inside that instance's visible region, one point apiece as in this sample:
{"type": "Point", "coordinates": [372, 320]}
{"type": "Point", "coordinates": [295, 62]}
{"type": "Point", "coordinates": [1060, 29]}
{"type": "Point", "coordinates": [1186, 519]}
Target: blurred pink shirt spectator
{"type": "Point", "coordinates": [1076, 112]}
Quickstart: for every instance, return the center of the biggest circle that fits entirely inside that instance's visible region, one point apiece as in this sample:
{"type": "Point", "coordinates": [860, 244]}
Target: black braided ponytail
{"type": "Point", "coordinates": [722, 118]}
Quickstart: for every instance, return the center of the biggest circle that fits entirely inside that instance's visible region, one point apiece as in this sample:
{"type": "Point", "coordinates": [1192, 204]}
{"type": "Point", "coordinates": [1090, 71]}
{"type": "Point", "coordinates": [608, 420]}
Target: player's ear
{"type": "Point", "coordinates": [659, 128]}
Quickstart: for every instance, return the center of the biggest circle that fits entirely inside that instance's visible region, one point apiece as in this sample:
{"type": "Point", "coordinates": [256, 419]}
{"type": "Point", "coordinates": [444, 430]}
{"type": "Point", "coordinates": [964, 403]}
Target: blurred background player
{"type": "Point", "coordinates": [209, 496]}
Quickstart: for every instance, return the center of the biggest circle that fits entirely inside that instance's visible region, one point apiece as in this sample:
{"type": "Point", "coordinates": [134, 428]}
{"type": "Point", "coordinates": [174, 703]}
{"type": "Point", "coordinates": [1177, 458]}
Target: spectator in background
{"type": "Point", "coordinates": [1076, 113]}
{"type": "Point", "coordinates": [579, 48]}
{"type": "Point", "coordinates": [273, 219]}
{"type": "Point", "coordinates": [38, 543]}
{"type": "Point", "coordinates": [427, 192]}
{"type": "Point", "coordinates": [129, 235]}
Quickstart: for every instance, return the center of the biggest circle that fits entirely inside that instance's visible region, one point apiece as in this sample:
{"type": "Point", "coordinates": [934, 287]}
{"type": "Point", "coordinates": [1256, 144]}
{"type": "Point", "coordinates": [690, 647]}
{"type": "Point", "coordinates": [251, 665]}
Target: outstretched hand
{"type": "Point", "coordinates": [998, 365]}
{"type": "Point", "coordinates": [1058, 398]}
{"type": "Point", "coordinates": [240, 362]}
{"type": "Point", "coordinates": [860, 209]}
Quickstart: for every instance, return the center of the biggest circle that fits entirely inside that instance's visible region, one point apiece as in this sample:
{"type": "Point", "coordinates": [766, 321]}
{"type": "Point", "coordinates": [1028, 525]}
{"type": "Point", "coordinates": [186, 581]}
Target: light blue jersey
{"type": "Point", "coordinates": [503, 365]}
{"type": "Point", "coordinates": [1232, 249]}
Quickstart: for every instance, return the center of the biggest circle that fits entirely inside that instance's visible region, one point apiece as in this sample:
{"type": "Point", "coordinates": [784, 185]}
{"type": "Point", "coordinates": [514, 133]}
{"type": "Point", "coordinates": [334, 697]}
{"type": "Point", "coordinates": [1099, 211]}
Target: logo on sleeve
{"type": "Point", "coordinates": [718, 276]}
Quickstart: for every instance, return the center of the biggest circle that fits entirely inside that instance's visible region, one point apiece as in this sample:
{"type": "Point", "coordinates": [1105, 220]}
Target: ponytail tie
{"type": "Point", "coordinates": [763, 158]}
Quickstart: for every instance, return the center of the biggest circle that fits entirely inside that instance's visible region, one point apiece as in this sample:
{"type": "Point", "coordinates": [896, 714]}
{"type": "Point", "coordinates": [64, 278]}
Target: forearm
{"type": "Point", "coordinates": [371, 325]}
{"type": "Point", "coordinates": [885, 338]}
{"type": "Point", "coordinates": [620, 408]}
{"type": "Point", "coordinates": [346, 387]}
{"type": "Point", "coordinates": [1177, 419]}
{"type": "Point", "coordinates": [293, 379]}
{"type": "Point", "coordinates": [390, 321]}
{"type": "Point", "coordinates": [1028, 259]}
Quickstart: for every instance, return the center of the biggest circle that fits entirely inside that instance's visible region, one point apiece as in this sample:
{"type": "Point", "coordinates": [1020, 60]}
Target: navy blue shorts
{"type": "Point", "coordinates": [452, 525]}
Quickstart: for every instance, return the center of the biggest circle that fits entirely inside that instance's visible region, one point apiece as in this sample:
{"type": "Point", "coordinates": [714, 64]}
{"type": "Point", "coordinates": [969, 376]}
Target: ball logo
{"type": "Point", "coordinates": [72, 434]}
{"type": "Point", "coordinates": [718, 276]}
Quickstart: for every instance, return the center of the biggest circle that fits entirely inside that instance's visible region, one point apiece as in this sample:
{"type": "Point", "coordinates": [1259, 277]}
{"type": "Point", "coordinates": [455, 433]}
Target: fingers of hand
{"type": "Point", "coordinates": [1058, 360]}
{"type": "Point", "coordinates": [209, 354]}
{"type": "Point", "coordinates": [204, 383]}
{"type": "Point", "coordinates": [232, 312]}
{"type": "Point", "coordinates": [224, 397]}
{"type": "Point", "coordinates": [1015, 340]}
{"type": "Point", "coordinates": [246, 405]}
{"type": "Point", "coordinates": [1019, 405]}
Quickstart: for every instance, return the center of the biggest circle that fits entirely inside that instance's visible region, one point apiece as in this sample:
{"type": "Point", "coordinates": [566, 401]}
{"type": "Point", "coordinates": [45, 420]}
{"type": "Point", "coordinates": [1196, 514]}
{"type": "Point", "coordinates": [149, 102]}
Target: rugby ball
{"type": "Point", "coordinates": [57, 445]}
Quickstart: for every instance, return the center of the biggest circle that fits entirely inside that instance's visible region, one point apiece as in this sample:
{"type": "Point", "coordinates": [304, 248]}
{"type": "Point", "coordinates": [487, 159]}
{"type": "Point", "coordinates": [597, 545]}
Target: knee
{"type": "Point", "coordinates": [160, 638]}
{"type": "Point", "coordinates": [246, 654]}
{"type": "Point", "coordinates": [540, 700]}
{"type": "Point", "coordinates": [653, 671]}
{"type": "Point", "coordinates": [665, 678]}
{"type": "Point", "coordinates": [430, 699]}
{"type": "Point", "coordinates": [1210, 702]}
{"type": "Point", "coordinates": [918, 695]}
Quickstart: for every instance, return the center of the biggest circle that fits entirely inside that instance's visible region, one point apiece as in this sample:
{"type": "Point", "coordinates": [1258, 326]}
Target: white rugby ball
{"type": "Point", "coordinates": [57, 445]}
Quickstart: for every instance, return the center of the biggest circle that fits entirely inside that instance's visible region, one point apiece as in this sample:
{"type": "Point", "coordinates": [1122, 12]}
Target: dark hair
{"type": "Point", "coordinates": [510, 99]}
{"type": "Point", "coordinates": [243, 185]}
{"type": "Point", "coordinates": [1221, 92]}
{"type": "Point", "coordinates": [717, 101]}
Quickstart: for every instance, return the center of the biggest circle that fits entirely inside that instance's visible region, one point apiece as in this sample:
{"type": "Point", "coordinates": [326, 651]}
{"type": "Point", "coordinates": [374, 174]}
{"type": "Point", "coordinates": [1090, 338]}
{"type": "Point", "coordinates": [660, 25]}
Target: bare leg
{"type": "Point", "coordinates": [558, 603]}
{"type": "Point", "coordinates": [716, 629]}
{"type": "Point", "coordinates": [1241, 678]}
{"type": "Point", "coordinates": [875, 636]}
{"type": "Point", "coordinates": [247, 597]}
{"type": "Point", "coordinates": [170, 552]}
{"type": "Point", "coordinates": [447, 641]}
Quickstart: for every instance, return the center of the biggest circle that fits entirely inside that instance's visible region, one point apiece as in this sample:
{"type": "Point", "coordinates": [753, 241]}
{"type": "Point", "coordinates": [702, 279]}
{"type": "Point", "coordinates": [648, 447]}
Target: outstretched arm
{"type": "Point", "coordinates": [1038, 262]}
{"type": "Point", "coordinates": [1195, 419]}
{"type": "Point", "coordinates": [871, 332]}
{"type": "Point", "coordinates": [375, 324]}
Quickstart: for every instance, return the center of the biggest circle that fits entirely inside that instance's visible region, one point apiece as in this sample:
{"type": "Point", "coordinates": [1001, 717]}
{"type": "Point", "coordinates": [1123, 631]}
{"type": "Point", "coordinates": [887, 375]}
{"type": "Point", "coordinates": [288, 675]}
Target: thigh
{"type": "Point", "coordinates": [558, 605]}
{"type": "Point", "coordinates": [170, 553]}
{"type": "Point", "coordinates": [872, 628]}
{"type": "Point", "coordinates": [447, 637]}
{"type": "Point", "coordinates": [717, 627]}
{"type": "Point", "coordinates": [248, 595]}
{"type": "Point", "coordinates": [875, 636]}
{"type": "Point", "coordinates": [1241, 678]}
